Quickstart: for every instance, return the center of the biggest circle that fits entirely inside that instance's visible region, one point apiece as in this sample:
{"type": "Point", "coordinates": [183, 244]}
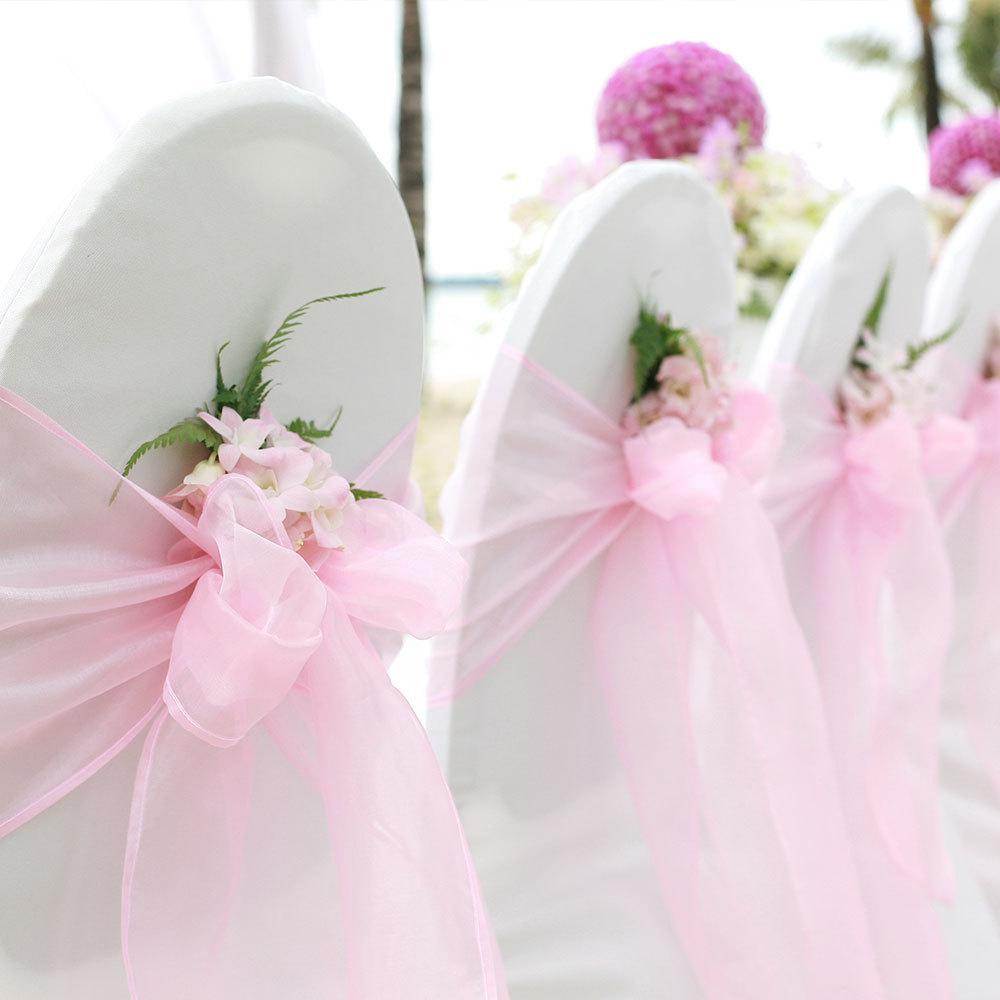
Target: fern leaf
{"type": "Point", "coordinates": [915, 352]}
{"type": "Point", "coordinates": [193, 430]}
{"type": "Point", "coordinates": [310, 431]}
{"type": "Point", "coordinates": [360, 494]}
{"type": "Point", "coordinates": [254, 390]}
{"type": "Point", "coordinates": [874, 315]}
{"type": "Point", "coordinates": [225, 395]}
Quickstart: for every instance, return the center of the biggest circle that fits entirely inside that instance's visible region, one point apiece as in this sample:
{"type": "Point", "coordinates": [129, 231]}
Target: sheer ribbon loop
{"type": "Point", "coordinates": [671, 470]}
{"type": "Point", "coordinates": [250, 625]}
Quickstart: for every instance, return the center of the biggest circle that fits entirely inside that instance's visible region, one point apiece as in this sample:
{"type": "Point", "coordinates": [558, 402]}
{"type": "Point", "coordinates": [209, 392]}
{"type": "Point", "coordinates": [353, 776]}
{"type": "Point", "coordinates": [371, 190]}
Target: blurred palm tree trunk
{"type": "Point", "coordinates": [411, 121]}
{"type": "Point", "coordinates": [928, 65]}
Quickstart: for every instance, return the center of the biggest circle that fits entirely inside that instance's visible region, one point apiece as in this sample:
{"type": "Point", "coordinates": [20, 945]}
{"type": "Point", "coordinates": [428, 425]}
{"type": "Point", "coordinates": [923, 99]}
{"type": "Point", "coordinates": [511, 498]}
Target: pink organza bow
{"type": "Point", "coordinates": [970, 509]}
{"type": "Point", "coordinates": [276, 754]}
{"type": "Point", "coordinates": [709, 686]}
{"type": "Point", "coordinates": [872, 588]}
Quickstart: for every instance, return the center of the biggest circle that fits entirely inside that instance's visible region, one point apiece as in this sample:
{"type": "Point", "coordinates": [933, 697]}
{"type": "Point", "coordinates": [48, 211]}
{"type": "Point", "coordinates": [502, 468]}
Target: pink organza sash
{"type": "Point", "coordinates": [709, 686]}
{"type": "Point", "coordinates": [971, 512]}
{"type": "Point", "coordinates": [252, 680]}
{"type": "Point", "coordinates": [872, 589]}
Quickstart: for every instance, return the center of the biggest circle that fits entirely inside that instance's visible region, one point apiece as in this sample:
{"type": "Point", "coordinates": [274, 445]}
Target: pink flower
{"type": "Point", "coordinates": [661, 102]}
{"type": "Point", "coordinates": [641, 413]}
{"type": "Point", "coordinates": [195, 485]}
{"type": "Point", "coordinates": [714, 355]}
{"type": "Point", "coordinates": [325, 505]}
{"type": "Point", "coordinates": [719, 151]}
{"type": "Point", "coordinates": [281, 436]}
{"type": "Point", "coordinates": [571, 176]}
{"type": "Point", "coordinates": [239, 436]}
{"type": "Point", "coordinates": [964, 156]}
{"type": "Point", "coordinates": [683, 393]}
{"type": "Point", "coordinates": [865, 398]}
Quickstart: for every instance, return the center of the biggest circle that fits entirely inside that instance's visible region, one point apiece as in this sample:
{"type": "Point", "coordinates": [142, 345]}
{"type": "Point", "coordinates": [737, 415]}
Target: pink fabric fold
{"type": "Point", "coordinates": [872, 588]}
{"type": "Point", "coordinates": [709, 686]}
{"type": "Point", "coordinates": [277, 757]}
{"type": "Point", "coordinates": [970, 508]}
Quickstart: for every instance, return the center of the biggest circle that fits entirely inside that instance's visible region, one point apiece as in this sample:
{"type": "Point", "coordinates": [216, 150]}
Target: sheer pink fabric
{"type": "Point", "coordinates": [275, 751]}
{"type": "Point", "coordinates": [710, 688]}
{"type": "Point", "coordinates": [971, 512]}
{"type": "Point", "coordinates": [872, 588]}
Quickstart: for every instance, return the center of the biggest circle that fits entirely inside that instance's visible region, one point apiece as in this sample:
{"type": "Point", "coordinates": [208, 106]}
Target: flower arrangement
{"type": "Point", "coordinates": [776, 207]}
{"type": "Point", "coordinates": [963, 158]}
{"type": "Point", "coordinates": [679, 375]}
{"type": "Point", "coordinates": [243, 437]}
{"type": "Point", "coordinates": [880, 380]}
{"type": "Point", "coordinates": [660, 102]}
{"type": "Point", "coordinates": [690, 101]}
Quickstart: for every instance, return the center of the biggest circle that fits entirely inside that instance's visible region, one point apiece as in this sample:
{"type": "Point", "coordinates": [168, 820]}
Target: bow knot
{"type": "Point", "coordinates": [883, 468]}
{"type": "Point", "coordinates": [671, 470]}
{"type": "Point", "coordinates": [251, 624]}
{"type": "Point", "coordinates": [675, 469]}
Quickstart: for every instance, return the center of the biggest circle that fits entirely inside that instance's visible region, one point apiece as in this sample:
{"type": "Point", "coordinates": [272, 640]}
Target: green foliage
{"type": "Point", "coordinates": [191, 430]}
{"type": "Point", "coordinates": [979, 47]}
{"type": "Point", "coordinates": [757, 307]}
{"type": "Point", "coordinates": [867, 50]}
{"type": "Point", "coordinates": [874, 315]}
{"type": "Point", "coordinates": [310, 431]}
{"type": "Point", "coordinates": [871, 321]}
{"type": "Point", "coordinates": [253, 392]}
{"type": "Point", "coordinates": [248, 397]}
{"type": "Point", "coordinates": [360, 494]}
{"type": "Point", "coordinates": [914, 352]}
{"type": "Point", "coordinates": [655, 339]}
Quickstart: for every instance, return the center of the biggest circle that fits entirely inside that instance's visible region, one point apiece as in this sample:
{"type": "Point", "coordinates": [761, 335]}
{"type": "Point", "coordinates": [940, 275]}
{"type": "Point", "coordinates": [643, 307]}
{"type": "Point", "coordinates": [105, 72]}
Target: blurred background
{"type": "Point", "coordinates": [485, 112]}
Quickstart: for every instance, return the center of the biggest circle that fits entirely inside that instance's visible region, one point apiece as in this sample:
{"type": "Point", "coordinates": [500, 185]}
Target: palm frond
{"type": "Point", "coordinates": [866, 50]}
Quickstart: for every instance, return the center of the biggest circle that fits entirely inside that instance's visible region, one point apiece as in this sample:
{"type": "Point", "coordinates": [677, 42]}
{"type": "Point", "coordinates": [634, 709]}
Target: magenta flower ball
{"type": "Point", "coordinates": [965, 155]}
{"type": "Point", "coordinates": [660, 103]}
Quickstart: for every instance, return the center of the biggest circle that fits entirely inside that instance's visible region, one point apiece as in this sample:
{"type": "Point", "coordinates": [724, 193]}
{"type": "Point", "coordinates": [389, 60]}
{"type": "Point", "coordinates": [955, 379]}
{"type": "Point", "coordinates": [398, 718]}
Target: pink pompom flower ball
{"type": "Point", "coordinates": [967, 155]}
{"type": "Point", "coordinates": [661, 102]}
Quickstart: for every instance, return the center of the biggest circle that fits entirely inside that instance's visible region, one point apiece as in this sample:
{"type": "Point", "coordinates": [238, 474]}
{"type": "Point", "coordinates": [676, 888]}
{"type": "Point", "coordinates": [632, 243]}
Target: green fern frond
{"type": "Point", "coordinates": [225, 395]}
{"type": "Point", "coordinates": [311, 431]}
{"type": "Point", "coordinates": [874, 315]}
{"type": "Point", "coordinates": [192, 430]}
{"type": "Point", "coordinates": [360, 494]}
{"type": "Point", "coordinates": [246, 399]}
{"type": "Point", "coordinates": [914, 352]}
{"type": "Point", "coordinates": [254, 390]}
